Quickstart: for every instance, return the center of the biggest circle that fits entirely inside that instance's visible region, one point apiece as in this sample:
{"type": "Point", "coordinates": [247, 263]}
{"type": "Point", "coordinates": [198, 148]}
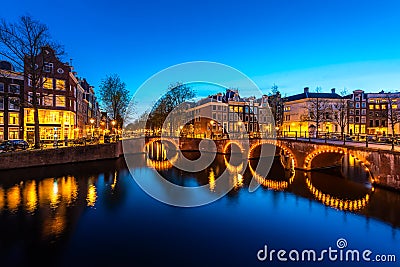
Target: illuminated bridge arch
{"type": "Point", "coordinates": [287, 150]}
{"type": "Point", "coordinates": [337, 154]}
{"type": "Point", "coordinates": [162, 140]}
{"type": "Point", "coordinates": [230, 143]}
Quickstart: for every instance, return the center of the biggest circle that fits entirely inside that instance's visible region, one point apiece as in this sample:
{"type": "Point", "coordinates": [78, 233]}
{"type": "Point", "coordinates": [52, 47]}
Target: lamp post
{"type": "Point", "coordinates": [211, 128]}
{"type": "Point", "coordinates": [91, 125]}
{"type": "Point", "coordinates": [113, 122]}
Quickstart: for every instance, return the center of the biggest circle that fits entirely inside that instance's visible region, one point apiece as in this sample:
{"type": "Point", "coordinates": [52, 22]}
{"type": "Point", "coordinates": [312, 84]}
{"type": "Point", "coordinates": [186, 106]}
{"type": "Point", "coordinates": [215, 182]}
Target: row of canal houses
{"type": "Point", "coordinates": [68, 107]}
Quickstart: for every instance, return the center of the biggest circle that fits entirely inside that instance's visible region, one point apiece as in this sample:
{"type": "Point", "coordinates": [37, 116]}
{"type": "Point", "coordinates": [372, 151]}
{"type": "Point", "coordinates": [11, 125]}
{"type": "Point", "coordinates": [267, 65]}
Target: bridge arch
{"type": "Point", "coordinates": [277, 144]}
{"type": "Point", "coordinates": [340, 152]}
{"type": "Point", "coordinates": [230, 143]}
{"type": "Point", "coordinates": [162, 140]}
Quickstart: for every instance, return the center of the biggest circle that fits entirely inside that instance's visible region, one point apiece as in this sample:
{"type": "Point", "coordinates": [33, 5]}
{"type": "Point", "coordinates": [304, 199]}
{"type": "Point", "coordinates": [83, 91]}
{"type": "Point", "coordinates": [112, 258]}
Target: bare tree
{"type": "Point", "coordinates": [115, 98]}
{"type": "Point", "coordinates": [393, 112]}
{"type": "Point", "coordinates": [318, 110]}
{"type": "Point", "coordinates": [340, 113]}
{"type": "Point", "coordinates": [176, 94]}
{"type": "Point", "coordinates": [22, 43]}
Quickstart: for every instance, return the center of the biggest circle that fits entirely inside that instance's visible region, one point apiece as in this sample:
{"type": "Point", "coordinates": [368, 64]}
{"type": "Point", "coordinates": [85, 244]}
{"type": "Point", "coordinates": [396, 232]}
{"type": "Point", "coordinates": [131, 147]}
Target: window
{"type": "Point", "coordinates": [13, 133]}
{"type": "Point", "coordinates": [371, 106]}
{"type": "Point", "coordinates": [351, 119]}
{"type": "Point", "coordinates": [13, 103]}
{"type": "Point", "coordinates": [1, 134]}
{"type": "Point", "coordinates": [48, 100]}
{"type": "Point", "coordinates": [357, 119]}
{"type": "Point", "coordinates": [1, 87]}
{"type": "Point", "coordinates": [1, 117]}
{"type": "Point", "coordinates": [214, 107]}
{"type": "Point", "coordinates": [377, 107]}
{"type": "Point", "coordinates": [1, 102]}
{"type": "Point", "coordinates": [363, 112]}
{"type": "Point", "coordinates": [13, 118]}
{"type": "Point", "coordinates": [14, 88]}
{"type": "Point", "coordinates": [214, 116]}
{"type": "Point", "coordinates": [219, 107]}
{"type": "Point", "coordinates": [394, 106]}
{"type": "Point", "coordinates": [30, 98]}
{"type": "Point", "coordinates": [357, 105]}
{"type": "Point", "coordinates": [363, 104]}
{"type": "Point", "coordinates": [363, 120]}
{"type": "Point", "coordinates": [60, 84]}
{"type": "Point", "coordinates": [357, 112]}
{"type": "Point", "coordinates": [48, 67]}
{"type": "Point", "coordinates": [357, 98]}
{"type": "Point", "coordinates": [371, 123]}
{"type": "Point", "coordinates": [47, 83]}
{"type": "Point", "coordinates": [383, 123]}
{"type": "Point", "coordinates": [376, 123]}
{"type": "Point", "coordinates": [351, 104]}
{"type": "Point", "coordinates": [351, 112]}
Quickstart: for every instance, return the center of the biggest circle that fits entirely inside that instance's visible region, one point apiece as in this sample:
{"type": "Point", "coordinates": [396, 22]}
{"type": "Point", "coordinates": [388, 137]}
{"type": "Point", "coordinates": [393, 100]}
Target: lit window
{"type": "Point", "coordinates": [13, 118]}
{"type": "Point", "coordinates": [14, 88]}
{"type": "Point", "coordinates": [377, 107]}
{"type": "Point", "coordinates": [60, 84]}
{"type": "Point", "coordinates": [394, 106]}
{"type": "Point", "coordinates": [13, 103]}
{"type": "Point", "coordinates": [29, 115]}
{"type": "Point", "coordinates": [60, 101]}
{"type": "Point", "coordinates": [1, 134]}
{"type": "Point", "coordinates": [13, 133]}
{"type": "Point", "coordinates": [1, 117]}
{"type": "Point", "coordinates": [1, 87]}
{"type": "Point", "coordinates": [47, 83]}
{"type": "Point", "coordinates": [48, 67]}
{"type": "Point", "coordinates": [371, 106]}
{"type": "Point", "coordinates": [48, 100]}
{"type": "Point", "coordinates": [383, 106]}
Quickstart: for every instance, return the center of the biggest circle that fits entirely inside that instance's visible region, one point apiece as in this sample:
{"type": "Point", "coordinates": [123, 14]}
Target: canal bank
{"type": "Point", "coordinates": [63, 155]}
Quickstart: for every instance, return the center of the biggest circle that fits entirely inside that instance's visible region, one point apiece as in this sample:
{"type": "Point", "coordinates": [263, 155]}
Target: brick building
{"type": "Point", "coordinates": [11, 111]}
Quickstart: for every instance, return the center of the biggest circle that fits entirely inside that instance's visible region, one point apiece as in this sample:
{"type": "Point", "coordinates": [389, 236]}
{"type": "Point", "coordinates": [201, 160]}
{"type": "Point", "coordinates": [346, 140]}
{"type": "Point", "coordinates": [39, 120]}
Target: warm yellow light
{"type": "Point", "coordinates": [91, 120]}
{"type": "Point", "coordinates": [113, 122]}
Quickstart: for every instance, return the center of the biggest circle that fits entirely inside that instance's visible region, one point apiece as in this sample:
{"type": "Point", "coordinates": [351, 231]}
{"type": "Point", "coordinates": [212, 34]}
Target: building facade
{"type": "Point", "coordinates": [307, 113]}
{"type": "Point", "coordinates": [11, 110]}
{"type": "Point", "coordinates": [228, 114]}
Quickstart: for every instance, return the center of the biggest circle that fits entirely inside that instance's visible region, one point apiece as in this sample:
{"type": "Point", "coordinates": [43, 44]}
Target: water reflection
{"type": "Point", "coordinates": [85, 207]}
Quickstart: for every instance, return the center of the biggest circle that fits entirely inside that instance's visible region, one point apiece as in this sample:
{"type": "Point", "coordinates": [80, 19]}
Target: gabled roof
{"type": "Point", "coordinates": [311, 95]}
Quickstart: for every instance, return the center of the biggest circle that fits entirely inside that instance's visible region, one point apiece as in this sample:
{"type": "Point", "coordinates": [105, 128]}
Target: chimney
{"type": "Point", "coordinates": [333, 90]}
{"type": "Point", "coordinates": [306, 89]}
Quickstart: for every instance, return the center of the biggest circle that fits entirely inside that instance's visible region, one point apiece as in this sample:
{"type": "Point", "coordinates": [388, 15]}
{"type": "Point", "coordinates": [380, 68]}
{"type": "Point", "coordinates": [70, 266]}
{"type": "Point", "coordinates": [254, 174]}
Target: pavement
{"type": "Point", "coordinates": [380, 146]}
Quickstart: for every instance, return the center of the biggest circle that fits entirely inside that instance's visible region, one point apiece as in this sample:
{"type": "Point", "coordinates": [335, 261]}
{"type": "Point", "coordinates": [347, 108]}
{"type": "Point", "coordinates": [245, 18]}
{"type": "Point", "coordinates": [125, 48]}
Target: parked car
{"type": "Point", "coordinates": [6, 146]}
{"type": "Point", "coordinates": [19, 144]}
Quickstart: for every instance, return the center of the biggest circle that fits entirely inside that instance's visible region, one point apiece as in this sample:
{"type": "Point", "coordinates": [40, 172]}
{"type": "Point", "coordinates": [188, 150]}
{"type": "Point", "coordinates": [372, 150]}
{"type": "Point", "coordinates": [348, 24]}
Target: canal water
{"type": "Point", "coordinates": [94, 214]}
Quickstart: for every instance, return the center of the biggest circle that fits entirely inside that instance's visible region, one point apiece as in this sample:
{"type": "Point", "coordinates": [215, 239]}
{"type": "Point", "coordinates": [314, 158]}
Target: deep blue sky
{"type": "Point", "coordinates": [353, 44]}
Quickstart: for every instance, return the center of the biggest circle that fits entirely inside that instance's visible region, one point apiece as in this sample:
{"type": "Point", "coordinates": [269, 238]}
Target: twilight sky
{"type": "Point", "coordinates": [330, 43]}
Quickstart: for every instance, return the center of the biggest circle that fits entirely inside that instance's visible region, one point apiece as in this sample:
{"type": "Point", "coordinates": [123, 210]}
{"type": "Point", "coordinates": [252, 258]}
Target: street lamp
{"type": "Point", "coordinates": [113, 122]}
{"type": "Point", "coordinates": [91, 125]}
{"type": "Point", "coordinates": [211, 128]}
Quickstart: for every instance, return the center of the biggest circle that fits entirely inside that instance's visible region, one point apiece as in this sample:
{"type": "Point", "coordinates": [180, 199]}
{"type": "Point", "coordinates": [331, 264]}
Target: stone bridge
{"type": "Point", "coordinates": [381, 164]}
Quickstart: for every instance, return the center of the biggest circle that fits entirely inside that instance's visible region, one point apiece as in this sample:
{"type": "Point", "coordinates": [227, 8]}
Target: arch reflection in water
{"type": "Point", "coordinates": [235, 170]}
{"type": "Point", "coordinates": [337, 202]}
{"type": "Point", "coordinates": [157, 156]}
